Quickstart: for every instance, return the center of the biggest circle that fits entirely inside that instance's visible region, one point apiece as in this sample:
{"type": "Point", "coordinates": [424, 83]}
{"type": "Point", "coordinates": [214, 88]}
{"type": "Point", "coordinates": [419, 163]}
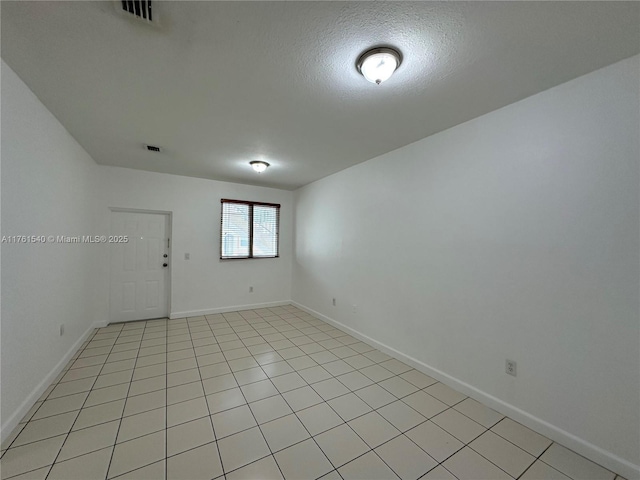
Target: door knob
{"type": "Point", "coordinates": [165, 264]}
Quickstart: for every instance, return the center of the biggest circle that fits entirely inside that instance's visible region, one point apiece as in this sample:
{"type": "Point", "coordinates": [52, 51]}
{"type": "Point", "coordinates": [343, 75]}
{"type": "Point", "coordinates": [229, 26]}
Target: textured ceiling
{"type": "Point", "coordinates": [218, 84]}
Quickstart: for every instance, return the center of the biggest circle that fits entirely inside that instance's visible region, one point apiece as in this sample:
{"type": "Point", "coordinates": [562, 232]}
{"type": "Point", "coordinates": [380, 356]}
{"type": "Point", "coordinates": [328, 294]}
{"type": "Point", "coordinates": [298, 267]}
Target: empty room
{"type": "Point", "coordinates": [320, 240]}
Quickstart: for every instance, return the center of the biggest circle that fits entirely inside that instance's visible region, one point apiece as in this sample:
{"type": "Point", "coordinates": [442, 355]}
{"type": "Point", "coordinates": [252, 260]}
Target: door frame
{"type": "Point", "coordinates": [167, 287]}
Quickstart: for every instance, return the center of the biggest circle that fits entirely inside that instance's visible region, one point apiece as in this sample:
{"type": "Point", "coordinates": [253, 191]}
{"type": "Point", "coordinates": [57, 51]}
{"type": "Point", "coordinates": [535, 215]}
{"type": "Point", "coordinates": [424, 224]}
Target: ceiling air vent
{"type": "Point", "coordinates": [140, 9]}
{"type": "Point", "coordinates": [153, 148]}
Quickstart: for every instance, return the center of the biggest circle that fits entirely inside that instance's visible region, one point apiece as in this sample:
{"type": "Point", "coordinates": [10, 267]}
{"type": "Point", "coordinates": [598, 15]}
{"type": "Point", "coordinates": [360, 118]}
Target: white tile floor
{"type": "Point", "coordinates": [265, 394]}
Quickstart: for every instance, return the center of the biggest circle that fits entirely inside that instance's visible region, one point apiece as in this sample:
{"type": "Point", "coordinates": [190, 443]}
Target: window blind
{"type": "Point", "coordinates": [249, 229]}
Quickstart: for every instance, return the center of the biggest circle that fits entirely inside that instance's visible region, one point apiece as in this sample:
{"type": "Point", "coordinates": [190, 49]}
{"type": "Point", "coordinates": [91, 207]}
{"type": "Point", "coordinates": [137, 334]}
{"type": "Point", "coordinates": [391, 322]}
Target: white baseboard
{"type": "Point", "coordinates": [14, 419]}
{"type": "Point", "coordinates": [599, 455]}
{"type": "Point", "coordinates": [212, 311]}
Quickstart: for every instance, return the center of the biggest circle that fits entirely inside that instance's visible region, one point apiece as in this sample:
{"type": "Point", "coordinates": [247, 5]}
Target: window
{"type": "Point", "coordinates": [249, 229]}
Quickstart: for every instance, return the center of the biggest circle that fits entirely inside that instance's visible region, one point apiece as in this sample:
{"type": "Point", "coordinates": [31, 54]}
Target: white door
{"type": "Point", "coordinates": [139, 267]}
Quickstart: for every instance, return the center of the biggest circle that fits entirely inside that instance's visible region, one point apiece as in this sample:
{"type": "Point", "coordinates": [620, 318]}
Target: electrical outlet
{"type": "Point", "coordinates": [511, 367]}
{"type": "Point", "coordinates": [61, 329]}
{"type": "Point", "coordinates": [354, 308]}
{"type": "Point", "coordinates": [334, 302]}
{"type": "Point", "coordinates": [250, 289]}
{"type": "Point", "coordinates": [187, 256]}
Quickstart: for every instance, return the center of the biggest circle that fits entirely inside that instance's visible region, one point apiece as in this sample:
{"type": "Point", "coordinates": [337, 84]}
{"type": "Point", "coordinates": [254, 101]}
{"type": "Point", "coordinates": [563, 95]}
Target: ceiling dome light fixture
{"type": "Point", "coordinates": [259, 166]}
{"type": "Point", "coordinates": [378, 64]}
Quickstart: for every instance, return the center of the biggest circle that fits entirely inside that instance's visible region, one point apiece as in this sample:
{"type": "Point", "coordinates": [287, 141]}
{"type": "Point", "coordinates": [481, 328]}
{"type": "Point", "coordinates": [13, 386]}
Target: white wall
{"type": "Point", "coordinates": [204, 283]}
{"type": "Point", "coordinates": [514, 235]}
{"type": "Point", "coordinates": [47, 189]}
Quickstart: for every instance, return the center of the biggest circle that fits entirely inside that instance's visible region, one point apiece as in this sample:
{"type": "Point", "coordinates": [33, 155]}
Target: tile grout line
{"type": "Point", "coordinates": [80, 410]}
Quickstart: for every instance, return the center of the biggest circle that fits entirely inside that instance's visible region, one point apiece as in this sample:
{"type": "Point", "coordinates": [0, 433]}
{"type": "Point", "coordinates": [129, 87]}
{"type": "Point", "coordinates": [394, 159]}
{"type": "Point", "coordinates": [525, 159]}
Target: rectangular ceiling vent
{"type": "Point", "coordinates": [140, 9]}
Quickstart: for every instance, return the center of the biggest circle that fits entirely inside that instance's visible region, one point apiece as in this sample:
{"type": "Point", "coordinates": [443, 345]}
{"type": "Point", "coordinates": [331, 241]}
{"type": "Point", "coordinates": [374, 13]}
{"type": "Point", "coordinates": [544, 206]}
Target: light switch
{"type": "Point", "coordinates": [187, 256]}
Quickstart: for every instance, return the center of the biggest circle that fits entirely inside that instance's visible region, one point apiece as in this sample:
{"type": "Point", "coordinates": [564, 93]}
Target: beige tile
{"type": "Point", "coordinates": [425, 404]}
{"type": "Point", "coordinates": [219, 383]}
{"type": "Point", "coordinates": [181, 354]}
{"type": "Point", "coordinates": [277, 369]}
{"type": "Point", "coordinates": [89, 361]}
{"type": "Point", "coordinates": [468, 465]}
{"type": "Point", "coordinates": [200, 463]}
{"type": "Point", "coordinates": [39, 474]}
{"type": "Point", "coordinates": [29, 457]}
{"type": "Point", "coordinates": [367, 467]}
{"type": "Point", "coordinates": [339, 367]}
{"type": "Point", "coordinates": [418, 379]}
{"type": "Point", "coordinates": [120, 366]}
{"type": "Point", "coordinates": [445, 394]}
{"type": "Point", "coordinates": [574, 465]}
{"type": "Point", "coordinates": [375, 396]}
{"type": "Point", "coordinates": [269, 409]}
{"type": "Point", "coordinates": [225, 400]}
{"type": "Point", "coordinates": [439, 473]}
{"type": "Point", "coordinates": [211, 358]}
{"type": "Point", "coordinates": [330, 388]}
{"type": "Point", "coordinates": [250, 375]}
{"type": "Point", "coordinates": [341, 445]}
{"type": "Point", "coordinates": [92, 466]}
{"type": "Point", "coordinates": [60, 405]}
{"type": "Point", "coordinates": [180, 365]}
{"type": "Point", "coordinates": [122, 355]}
{"type": "Point", "coordinates": [113, 379]}
{"type": "Point", "coordinates": [145, 402]}
{"type": "Point", "coordinates": [148, 385]}
{"type": "Point", "coordinates": [188, 391]}
{"type": "Point", "coordinates": [265, 469]}
{"type": "Point", "coordinates": [359, 361]}
{"type": "Point", "coordinates": [435, 441]}
{"type": "Point", "coordinates": [396, 366]}
{"type": "Point", "coordinates": [527, 439]}
{"type": "Point", "coordinates": [259, 390]}
{"type": "Point", "coordinates": [505, 455]}
{"type": "Point", "coordinates": [374, 429]}
{"type": "Point", "coordinates": [236, 354]}
{"type": "Point", "coordinates": [319, 418]}
{"type": "Point", "coordinates": [401, 416]}
{"type": "Point", "coordinates": [314, 374]}
{"type": "Point", "coordinates": [79, 373]}
{"type": "Point", "coordinates": [186, 376]}
{"type": "Point", "coordinates": [189, 435]}
{"type": "Point", "coordinates": [242, 448]}
{"type": "Point", "coordinates": [69, 388]}
{"type": "Point", "coordinates": [45, 428]}
{"type": "Point", "coordinates": [142, 424]}
{"type": "Point", "coordinates": [289, 381]}
{"type": "Point", "coordinates": [232, 421]}
{"type": "Point", "coordinates": [89, 439]}
{"type": "Point", "coordinates": [541, 471]}
{"type": "Point", "coordinates": [407, 460]}
{"type": "Point", "coordinates": [398, 387]}
{"type": "Point", "coordinates": [303, 460]}
{"type": "Point", "coordinates": [137, 453]}
{"type": "Point", "coordinates": [105, 412]}
{"type": "Point", "coordinates": [349, 406]}
{"type": "Point", "coordinates": [140, 373]}
{"type": "Point", "coordinates": [354, 380]}
{"type": "Point", "coordinates": [479, 413]}
{"type": "Point", "coordinates": [211, 371]}
{"type": "Point", "coordinates": [284, 432]}
{"type": "Point", "coordinates": [267, 358]}
{"type": "Point", "coordinates": [461, 427]}
{"type": "Point", "coordinates": [186, 411]}
{"type": "Point", "coordinates": [105, 395]}
{"type": "Point", "coordinates": [302, 398]}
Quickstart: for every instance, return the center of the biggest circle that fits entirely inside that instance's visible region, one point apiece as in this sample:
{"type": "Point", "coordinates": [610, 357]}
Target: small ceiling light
{"type": "Point", "coordinates": [259, 166]}
{"type": "Point", "coordinates": [378, 64]}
